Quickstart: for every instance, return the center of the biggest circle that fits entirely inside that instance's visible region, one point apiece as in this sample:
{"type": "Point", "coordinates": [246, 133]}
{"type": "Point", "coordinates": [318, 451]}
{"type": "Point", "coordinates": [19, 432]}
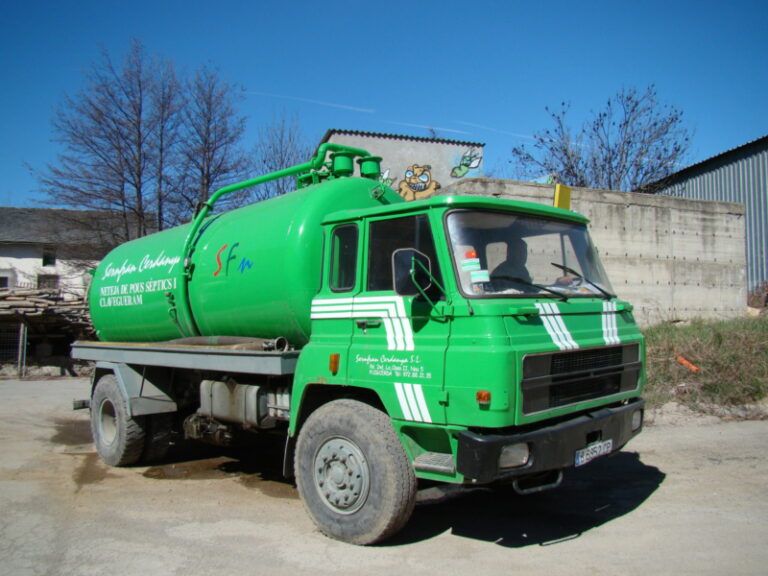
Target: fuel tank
{"type": "Point", "coordinates": [253, 271]}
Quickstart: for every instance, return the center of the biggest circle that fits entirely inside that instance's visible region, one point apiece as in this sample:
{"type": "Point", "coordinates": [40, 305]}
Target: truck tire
{"type": "Point", "coordinates": [119, 439]}
{"type": "Point", "coordinates": [157, 437]}
{"type": "Point", "coordinates": [354, 478]}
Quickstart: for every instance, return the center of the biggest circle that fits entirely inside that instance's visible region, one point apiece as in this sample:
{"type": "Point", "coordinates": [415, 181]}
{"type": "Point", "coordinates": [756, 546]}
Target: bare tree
{"type": "Point", "coordinates": [633, 141]}
{"type": "Point", "coordinates": [106, 132]}
{"type": "Point", "coordinates": [143, 147]}
{"type": "Point", "coordinates": [210, 144]}
{"type": "Point", "coordinates": [126, 93]}
{"type": "Point", "coordinates": [280, 144]}
{"type": "Point", "coordinates": [167, 103]}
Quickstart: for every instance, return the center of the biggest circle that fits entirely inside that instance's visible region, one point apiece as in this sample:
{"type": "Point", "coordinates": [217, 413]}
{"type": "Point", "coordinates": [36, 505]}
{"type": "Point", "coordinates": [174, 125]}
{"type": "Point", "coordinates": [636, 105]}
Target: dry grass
{"type": "Point", "coordinates": [732, 358]}
{"type": "Point", "coordinates": [758, 298]}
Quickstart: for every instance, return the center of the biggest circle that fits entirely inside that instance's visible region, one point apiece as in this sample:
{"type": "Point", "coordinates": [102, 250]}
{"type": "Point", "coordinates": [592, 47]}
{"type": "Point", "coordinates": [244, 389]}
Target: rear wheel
{"type": "Point", "coordinates": [352, 473]}
{"type": "Point", "coordinates": [119, 439]}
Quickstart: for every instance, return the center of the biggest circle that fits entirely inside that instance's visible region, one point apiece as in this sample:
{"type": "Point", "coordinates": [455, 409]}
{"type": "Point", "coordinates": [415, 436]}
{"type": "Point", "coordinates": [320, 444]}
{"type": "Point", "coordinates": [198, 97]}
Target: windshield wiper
{"type": "Point", "coordinates": [602, 290]}
{"type": "Point", "coordinates": [529, 283]}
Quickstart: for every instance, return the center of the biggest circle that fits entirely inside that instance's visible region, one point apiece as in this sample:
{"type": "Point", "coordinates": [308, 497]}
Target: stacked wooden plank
{"type": "Point", "coordinates": [44, 305]}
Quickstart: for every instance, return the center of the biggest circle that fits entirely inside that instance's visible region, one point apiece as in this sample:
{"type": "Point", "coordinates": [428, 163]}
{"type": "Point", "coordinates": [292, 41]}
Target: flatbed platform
{"type": "Point", "coordinates": [190, 356]}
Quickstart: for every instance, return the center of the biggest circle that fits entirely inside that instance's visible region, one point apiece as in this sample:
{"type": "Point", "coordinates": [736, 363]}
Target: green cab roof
{"type": "Point", "coordinates": [436, 202]}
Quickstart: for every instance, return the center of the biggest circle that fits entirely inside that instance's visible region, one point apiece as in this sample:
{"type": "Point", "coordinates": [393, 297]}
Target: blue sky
{"type": "Point", "coordinates": [480, 71]}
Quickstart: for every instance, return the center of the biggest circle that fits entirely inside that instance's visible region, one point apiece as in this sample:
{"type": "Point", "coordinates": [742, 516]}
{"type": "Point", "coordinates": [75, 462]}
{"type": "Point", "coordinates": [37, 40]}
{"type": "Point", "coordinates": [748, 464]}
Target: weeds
{"type": "Point", "coordinates": [758, 298]}
{"type": "Point", "coordinates": [731, 355]}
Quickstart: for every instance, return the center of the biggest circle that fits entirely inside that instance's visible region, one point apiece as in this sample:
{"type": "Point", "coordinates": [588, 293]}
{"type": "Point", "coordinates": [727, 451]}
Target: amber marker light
{"type": "Point", "coordinates": [333, 363]}
{"type": "Point", "coordinates": [483, 398]}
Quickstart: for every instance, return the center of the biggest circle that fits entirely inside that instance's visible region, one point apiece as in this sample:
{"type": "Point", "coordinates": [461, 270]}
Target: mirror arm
{"type": "Point", "coordinates": [421, 291]}
{"type": "Point", "coordinates": [414, 263]}
{"type": "Point", "coordinates": [429, 273]}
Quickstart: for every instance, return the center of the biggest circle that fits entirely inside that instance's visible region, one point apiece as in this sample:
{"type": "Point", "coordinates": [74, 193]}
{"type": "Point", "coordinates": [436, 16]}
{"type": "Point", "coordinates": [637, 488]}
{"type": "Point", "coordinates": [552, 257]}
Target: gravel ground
{"type": "Point", "coordinates": [688, 496]}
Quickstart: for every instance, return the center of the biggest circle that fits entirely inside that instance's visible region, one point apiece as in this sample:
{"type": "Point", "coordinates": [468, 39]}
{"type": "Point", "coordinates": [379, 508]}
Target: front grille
{"type": "Point", "coordinates": [562, 394]}
{"type": "Point", "coordinates": [567, 362]}
{"type": "Point", "coordinates": [564, 378]}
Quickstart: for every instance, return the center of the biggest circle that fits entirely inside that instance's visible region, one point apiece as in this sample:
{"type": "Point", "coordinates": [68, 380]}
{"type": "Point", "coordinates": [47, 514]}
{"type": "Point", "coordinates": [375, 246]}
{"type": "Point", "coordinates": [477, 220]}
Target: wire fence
{"type": "Point", "coordinates": [13, 346]}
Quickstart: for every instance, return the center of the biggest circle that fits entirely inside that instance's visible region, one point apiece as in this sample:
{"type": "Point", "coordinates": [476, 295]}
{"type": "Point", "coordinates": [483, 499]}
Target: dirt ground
{"type": "Point", "coordinates": [688, 496]}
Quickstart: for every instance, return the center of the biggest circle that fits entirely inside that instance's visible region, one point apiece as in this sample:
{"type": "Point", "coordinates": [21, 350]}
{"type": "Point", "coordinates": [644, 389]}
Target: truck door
{"type": "Point", "coordinates": [399, 342]}
{"type": "Point", "coordinates": [331, 309]}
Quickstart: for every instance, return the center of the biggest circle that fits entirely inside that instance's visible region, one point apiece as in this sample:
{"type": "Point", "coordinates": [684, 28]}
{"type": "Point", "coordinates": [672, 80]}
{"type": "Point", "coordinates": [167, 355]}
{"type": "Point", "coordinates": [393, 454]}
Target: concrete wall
{"type": "Point", "coordinates": [739, 175]}
{"type": "Point", "coordinates": [441, 159]}
{"type": "Point", "coordinates": [674, 259]}
{"type": "Point", "coordinates": [23, 263]}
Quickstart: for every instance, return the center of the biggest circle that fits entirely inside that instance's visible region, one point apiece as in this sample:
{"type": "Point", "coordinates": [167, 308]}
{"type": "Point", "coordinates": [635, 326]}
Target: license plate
{"type": "Point", "coordinates": [593, 451]}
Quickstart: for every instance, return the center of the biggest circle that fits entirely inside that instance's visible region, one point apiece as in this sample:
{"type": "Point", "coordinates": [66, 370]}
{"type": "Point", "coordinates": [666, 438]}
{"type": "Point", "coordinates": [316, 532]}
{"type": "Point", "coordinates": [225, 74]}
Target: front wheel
{"type": "Point", "coordinates": [352, 473]}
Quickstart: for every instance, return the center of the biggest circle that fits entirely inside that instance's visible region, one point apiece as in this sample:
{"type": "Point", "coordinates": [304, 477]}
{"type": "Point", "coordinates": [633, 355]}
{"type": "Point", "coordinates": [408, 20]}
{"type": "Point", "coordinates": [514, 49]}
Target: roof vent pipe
{"type": "Point", "coordinates": [342, 163]}
{"type": "Point", "coordinates": [370, 167]}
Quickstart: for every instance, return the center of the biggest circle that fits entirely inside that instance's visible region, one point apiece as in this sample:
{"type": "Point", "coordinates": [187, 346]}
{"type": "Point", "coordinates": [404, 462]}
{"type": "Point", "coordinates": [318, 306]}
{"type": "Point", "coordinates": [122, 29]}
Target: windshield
{"type": "Point", "coordinates": [508, 254]}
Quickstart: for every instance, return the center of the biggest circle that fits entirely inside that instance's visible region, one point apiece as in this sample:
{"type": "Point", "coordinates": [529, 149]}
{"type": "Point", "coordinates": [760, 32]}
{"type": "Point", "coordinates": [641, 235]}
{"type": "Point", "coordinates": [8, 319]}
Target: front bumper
{"type": "Point", "coordinates": [551, 448]}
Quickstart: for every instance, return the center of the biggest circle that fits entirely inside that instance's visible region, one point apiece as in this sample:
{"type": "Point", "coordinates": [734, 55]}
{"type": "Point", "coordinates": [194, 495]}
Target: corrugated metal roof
{"type": "Point", "coordinates": [331, 131]}
{"type": "Point", "coordinates": [702, 164]}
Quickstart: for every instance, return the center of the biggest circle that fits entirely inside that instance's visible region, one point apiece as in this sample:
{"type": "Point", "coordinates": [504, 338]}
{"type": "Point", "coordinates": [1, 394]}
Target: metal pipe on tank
{"type": "Point", "coordinates": [181, 307]}
{"type": "Point", "coordinates": [279, 344]}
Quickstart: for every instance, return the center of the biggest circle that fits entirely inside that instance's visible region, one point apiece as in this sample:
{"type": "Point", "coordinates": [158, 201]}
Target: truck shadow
{"type": "Point", "coordinates": [588, 498]}
{"type": "Point", "coordinates": [255, 464]}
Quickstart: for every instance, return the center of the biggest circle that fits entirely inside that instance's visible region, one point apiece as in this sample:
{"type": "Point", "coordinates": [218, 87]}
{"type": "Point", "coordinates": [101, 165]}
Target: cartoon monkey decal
{"type": "Point", "coordinates": [417, 183]}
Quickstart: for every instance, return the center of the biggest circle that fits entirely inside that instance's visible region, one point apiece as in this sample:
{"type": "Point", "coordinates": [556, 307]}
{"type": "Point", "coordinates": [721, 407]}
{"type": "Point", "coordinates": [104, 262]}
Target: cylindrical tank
{"type": "Point", "coordinates": [254, 270]}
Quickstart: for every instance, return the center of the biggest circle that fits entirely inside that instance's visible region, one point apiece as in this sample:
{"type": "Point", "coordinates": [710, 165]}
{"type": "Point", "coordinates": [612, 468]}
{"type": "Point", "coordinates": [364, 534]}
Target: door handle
{"type": "Point", "coordinates": [364, 323]}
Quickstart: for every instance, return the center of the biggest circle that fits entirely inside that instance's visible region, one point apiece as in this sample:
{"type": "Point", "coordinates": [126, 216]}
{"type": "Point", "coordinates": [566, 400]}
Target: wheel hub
{"type": "Point", "coordinates": [107, 422]}
{"type": "Point", "coordinates": [341, 475]}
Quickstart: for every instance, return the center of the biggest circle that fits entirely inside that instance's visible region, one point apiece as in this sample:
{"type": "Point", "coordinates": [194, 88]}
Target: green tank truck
{"type": "Point", "coordinates": [466, 340]}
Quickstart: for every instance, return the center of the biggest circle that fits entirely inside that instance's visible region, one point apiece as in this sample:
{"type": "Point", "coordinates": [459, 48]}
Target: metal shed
{"type": "Point", "coordinates": [736, 175]}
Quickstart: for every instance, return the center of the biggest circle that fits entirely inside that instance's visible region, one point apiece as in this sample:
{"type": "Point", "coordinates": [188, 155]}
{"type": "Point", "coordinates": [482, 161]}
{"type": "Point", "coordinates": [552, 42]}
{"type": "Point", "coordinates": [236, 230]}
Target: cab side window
{"type": "Point", "coordinates": [386, 236]}
{"type": "Point", "coordinates": [343, 258]}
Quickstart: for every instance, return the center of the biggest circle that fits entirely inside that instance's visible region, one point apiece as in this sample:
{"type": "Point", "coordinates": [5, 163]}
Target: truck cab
{"type": "Point", "coordinates": [488, 331]}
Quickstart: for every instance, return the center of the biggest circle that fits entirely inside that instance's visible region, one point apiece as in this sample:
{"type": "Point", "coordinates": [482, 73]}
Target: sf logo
{"type": "Point", "coordinates": [231, 256]}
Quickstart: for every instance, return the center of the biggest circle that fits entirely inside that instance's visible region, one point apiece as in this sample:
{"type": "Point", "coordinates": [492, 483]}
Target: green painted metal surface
{"type": "Point", "coordinates": [266, 270]}
{"type": "Point", "coordinates": [447, 202]}
{"type": "Point", "coordinates": [129, 294]}
{"type": "Point", "coordinates": [252, 270]}
{"type": "Point", "coordinates": [257, 269]}
{"type": "Point", "coordinates": [460, 345]}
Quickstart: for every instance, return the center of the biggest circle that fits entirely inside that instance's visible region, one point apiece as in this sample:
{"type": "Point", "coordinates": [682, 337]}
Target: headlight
{"type": "Point", "coordinates": [637, 419]}
{"type": "Point", "coordinates": [514, 455]}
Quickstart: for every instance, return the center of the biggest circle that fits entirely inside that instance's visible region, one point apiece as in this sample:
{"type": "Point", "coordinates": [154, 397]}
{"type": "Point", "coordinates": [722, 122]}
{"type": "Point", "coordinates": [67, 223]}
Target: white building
{"type": "Point", "coordinates": [44, 248]}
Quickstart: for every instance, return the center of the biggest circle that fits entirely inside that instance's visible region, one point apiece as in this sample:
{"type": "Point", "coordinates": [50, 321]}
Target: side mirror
{"type": "Point", "coordinates": [411, 272]}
